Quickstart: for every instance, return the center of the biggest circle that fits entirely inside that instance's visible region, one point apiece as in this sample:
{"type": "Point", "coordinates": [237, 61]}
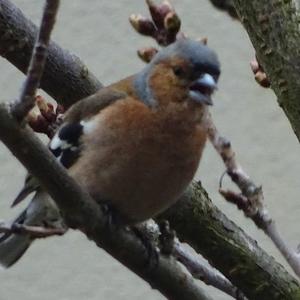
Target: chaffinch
{"type": "Point", "coordinates": [135, 144]}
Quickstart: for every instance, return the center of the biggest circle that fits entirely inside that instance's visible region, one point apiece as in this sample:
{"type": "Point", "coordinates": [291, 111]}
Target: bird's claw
{"type": "Point", "coordinates": [151, 249]}
{"type": "Point", "coordinates": [113, 217]}
{"type": "Point", "coordinates": [166, 238]}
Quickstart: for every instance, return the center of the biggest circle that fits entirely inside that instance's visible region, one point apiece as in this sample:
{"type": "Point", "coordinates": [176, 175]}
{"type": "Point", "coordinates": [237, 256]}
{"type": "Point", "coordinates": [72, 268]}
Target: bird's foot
{"type": "Point", "coordinates": [113, 217]}
{"type": "Point", "coordinates": [150, 246]}
{"type": "Point", "coordinates": [166, 238]}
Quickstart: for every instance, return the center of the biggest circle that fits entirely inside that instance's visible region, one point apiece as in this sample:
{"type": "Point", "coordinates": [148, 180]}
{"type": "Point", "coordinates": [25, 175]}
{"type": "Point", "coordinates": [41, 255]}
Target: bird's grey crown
{"type": "Point", "coordinates": [195, 52]}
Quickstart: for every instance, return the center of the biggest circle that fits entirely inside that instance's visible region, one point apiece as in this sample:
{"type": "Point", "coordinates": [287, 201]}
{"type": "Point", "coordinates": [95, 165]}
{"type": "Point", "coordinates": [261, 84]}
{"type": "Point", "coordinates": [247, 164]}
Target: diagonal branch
{"type": "Point", "coordinates": [208, 274]}
{"type": "Point", "coordinates": [196, 264]}
{"type": "Point", "coordinates": [217, 238]}
{"type": "Point", "coordinates": [228, 248]}
{"type": "Point", "coordinates": [33, 231]}
{"type": "Point", "coordinates": [273, 27]}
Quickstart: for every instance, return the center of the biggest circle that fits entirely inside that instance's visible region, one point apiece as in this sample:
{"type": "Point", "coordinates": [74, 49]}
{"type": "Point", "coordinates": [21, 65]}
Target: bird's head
{"type": "Point", "coordinates": [186, 71]}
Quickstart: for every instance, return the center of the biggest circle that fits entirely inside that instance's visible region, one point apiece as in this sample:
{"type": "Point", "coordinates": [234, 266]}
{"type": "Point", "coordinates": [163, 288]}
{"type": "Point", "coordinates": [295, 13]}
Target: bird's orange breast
{"type": "Point", "coordinates": [145, 158]}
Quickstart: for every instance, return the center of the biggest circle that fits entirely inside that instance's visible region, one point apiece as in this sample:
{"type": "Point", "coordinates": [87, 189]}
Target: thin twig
{"type": "Point", "coordinates": [193, 262]}
{"type": "Point", "coordinates": [251, 199]}
{"type": "Point", "coordinates": [207, 274]}
{"type": "Point", "coordinates": [34, 231]}
{"type": "Point", "coordinates": [163, 26]}
{"type": "Point", "coordinates": [26, 101]}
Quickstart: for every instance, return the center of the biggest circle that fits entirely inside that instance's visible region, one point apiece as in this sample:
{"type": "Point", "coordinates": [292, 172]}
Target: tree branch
{"type": "Point", "coordinates": [228, 248]}
{"type": "Point", "coordinates": [33, 231]}
{"type": "Point", "coordinates": [208, 274]}
{"type": "Point", "coordinates": [251, 200]}
{"type": "Point", "coordinates": [221, 242]}
{"type": "Point", "coordinates": [197, 266]}
{"type": "Point", "coordinates": [38, 59]}
{"type": "Point", "coordinates": [273, 27]}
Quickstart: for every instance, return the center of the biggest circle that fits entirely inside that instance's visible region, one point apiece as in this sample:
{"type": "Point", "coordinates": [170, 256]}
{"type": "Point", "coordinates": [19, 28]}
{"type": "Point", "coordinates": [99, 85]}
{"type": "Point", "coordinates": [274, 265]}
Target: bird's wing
{"type": "Point", "coordinates": [91, 105]}
{"type": "Point", "coordinates": [65, 144]}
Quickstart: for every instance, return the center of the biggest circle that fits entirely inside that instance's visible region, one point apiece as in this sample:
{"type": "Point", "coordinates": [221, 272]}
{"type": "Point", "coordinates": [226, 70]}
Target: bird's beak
{"type": "Point", "coordinates": [202, 89]}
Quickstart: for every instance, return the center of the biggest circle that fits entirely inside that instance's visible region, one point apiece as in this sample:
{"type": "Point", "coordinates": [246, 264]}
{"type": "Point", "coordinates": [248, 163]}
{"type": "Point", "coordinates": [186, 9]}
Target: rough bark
{"type": "Point", "coordinates": [228, 248]}
{"type": "Point", "coordinates": [273, 27]}
{"type": "Point", "coordinates": [196, 219]}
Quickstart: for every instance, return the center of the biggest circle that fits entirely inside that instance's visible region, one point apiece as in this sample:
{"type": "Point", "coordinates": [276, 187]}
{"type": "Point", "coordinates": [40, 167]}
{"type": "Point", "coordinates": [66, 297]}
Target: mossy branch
{"type": "Point", "coordinates": [195, 218]}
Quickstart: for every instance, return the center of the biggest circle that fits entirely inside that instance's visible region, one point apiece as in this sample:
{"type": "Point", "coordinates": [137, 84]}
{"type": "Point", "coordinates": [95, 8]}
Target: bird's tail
{"type": "Point", "coordinates": [40, 212]}
{"type": "Point", "coordinates": [13, 246]}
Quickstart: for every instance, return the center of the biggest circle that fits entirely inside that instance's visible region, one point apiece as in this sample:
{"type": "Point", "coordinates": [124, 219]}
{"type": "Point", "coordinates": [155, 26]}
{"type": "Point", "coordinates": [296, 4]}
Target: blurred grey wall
{"type": "Point", "coordinates": [98, 31]}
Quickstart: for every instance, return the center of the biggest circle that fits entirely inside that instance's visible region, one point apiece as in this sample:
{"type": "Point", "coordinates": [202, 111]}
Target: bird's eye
{"type": "Point", "coordinates": [178, 70]}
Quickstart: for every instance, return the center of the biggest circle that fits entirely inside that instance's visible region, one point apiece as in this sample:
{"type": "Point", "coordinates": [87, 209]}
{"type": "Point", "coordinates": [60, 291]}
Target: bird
{"type": "Point", "coordinates": [135, 145]}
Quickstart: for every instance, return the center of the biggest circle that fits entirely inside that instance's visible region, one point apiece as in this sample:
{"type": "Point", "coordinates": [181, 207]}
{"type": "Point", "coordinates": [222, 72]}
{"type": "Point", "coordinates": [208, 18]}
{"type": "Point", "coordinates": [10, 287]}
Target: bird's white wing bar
{"type": "Point", "coordinates": [65, 145]}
